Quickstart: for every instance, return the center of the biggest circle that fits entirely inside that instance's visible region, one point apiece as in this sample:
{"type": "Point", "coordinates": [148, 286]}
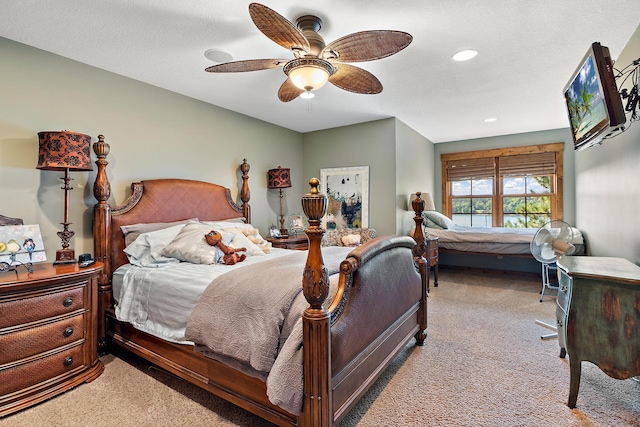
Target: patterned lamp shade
{"type": "Point", "coordinates": [279, 178]}
{"type": "Point", "coordinates": [62, 150]}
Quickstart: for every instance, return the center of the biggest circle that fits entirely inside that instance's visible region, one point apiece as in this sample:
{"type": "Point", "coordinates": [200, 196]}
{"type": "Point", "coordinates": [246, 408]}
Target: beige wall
{"type": "Point", "coordinates": [153, 133]}
{"type": "Point", "coordinates": [607, 190]}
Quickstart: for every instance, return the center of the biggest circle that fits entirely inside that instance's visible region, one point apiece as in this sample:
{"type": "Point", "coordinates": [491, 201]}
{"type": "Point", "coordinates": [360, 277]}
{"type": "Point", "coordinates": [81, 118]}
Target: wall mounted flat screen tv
{"type": "Point", "coordinates": [593, 102]}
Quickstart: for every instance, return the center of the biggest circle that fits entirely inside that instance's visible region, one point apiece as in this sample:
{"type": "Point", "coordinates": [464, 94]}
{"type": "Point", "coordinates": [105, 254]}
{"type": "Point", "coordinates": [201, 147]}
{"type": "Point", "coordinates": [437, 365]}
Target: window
{"type": "Point", "coordinates": [510, 187]}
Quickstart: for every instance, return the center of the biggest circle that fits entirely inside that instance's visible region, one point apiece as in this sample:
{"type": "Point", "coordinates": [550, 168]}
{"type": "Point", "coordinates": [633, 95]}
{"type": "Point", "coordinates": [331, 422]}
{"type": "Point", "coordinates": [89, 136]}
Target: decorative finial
{"type": "Point", "coordinates": [314, 182]}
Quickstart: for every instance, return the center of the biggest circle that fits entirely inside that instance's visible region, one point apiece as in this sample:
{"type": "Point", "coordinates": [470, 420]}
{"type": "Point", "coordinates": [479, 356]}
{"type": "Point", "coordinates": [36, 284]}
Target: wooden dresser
{"type": "Point", "coordinates": [598, 313]}
{"type": "Point", "coordinates": [48, 332]}
{"type": "Point", "coordinates": [299, 242]}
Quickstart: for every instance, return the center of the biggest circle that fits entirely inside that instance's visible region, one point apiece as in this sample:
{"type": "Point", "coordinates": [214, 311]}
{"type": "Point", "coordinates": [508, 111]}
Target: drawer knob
{"type": "Point", "coordinates": [68, 361]}
{"type": "Point", "coordinates": [67, 302]}
{"type": "Point", "coordinates": [68, 332]}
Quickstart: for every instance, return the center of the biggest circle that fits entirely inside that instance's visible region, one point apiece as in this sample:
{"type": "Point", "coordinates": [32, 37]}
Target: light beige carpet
{"type": "Point", "coordinates": [483, 364]}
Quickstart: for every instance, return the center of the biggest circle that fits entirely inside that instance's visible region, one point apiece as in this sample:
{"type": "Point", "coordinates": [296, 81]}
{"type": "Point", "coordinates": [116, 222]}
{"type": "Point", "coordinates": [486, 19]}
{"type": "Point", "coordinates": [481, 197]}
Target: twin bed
{"type": "Point", "coordinates": [497, 248]}
{"type": "Point", "coordinates": [344, 313]}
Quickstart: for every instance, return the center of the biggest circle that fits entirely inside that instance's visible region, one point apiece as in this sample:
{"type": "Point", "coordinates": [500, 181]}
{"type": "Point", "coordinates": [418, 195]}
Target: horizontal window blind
{"type": "Point", "coordinates": [534, 164]}
{"type": "Point", "coordinates": [484, 167]}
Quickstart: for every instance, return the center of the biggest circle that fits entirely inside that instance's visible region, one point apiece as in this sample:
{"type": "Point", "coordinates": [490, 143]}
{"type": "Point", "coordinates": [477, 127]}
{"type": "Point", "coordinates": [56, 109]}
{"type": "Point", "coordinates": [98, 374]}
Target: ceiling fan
{"type": "Point", "coordinates": [316, 63]}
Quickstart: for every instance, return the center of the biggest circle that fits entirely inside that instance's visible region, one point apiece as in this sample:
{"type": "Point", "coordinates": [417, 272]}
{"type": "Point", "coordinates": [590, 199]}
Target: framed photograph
{"type": "Point", "coordinates": [298, 223]}
{"type": "Point", "coordinates": [21, 244]}
{"type": "Point", "coordinates": [274, 232]}
{"type": "Point", "coordinates": [347, 190]}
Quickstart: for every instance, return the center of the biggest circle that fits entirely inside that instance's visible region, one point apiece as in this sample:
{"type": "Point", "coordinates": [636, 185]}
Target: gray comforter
{"type": "Point", "coordinates": [250, 318]}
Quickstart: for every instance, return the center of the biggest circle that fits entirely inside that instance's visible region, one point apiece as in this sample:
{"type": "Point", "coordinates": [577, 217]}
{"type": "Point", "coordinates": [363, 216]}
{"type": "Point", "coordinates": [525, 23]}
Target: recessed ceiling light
{"type": "Point", "coordinates": [218, 56]}
{"type": "Point", "coordinates": [490, 120]}
{"type": "Point", "coordinates": [464, 55]}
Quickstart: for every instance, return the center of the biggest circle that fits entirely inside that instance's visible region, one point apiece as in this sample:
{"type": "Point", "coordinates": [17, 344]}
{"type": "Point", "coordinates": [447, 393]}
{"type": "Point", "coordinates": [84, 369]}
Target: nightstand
{"type": "Point", "coordinates": [431, 255]}
{"type": "Point", "coordinates": [48, 332]}
{"type": "Point", "coordinates": [298, 242]}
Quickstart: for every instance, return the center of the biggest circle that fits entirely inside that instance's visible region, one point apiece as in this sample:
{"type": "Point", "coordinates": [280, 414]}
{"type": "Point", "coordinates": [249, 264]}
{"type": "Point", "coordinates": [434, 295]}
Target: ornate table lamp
{"type": "Point", "coordinates": [64, 151]}
{"type": "Point", "coordinates": [278, 179]}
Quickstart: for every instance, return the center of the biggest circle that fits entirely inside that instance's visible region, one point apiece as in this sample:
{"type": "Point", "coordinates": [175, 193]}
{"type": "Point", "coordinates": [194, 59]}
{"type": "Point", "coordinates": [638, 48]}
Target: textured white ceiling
{"type": "Point", "coordinates": [527, 53]}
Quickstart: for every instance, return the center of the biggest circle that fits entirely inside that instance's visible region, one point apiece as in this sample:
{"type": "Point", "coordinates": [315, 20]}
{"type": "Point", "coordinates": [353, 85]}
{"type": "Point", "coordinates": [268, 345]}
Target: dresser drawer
{"type": "Point", "coordinates": [19, 377]}
{"type": "Point", "coordinates": [29, 342]}
{"type": "Point", "coordinates": [31, 309]}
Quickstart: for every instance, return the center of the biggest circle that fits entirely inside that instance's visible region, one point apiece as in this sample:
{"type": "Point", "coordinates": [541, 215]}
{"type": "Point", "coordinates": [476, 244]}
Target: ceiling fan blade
{"type": "Point", "coordinates": [366, 46]}
{"type": "Point", "coordinates": [354, 79]}
{"type": "Point", "coordinates": [288, 91]}
{"type": "Point", "coordinates": [249, 65]}
{"type": "Point", "coordinates": [278, 28]}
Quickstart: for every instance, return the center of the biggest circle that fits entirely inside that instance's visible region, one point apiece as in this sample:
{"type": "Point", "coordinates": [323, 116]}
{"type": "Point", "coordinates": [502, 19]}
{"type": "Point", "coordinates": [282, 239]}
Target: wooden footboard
{"type": "Point", "coordinates": [380, 305]}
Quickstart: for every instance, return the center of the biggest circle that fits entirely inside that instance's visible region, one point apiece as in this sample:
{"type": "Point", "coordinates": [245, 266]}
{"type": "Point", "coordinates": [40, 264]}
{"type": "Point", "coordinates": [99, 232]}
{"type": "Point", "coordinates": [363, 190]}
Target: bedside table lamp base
{"type": "Point", "coordinates": [278, 179]}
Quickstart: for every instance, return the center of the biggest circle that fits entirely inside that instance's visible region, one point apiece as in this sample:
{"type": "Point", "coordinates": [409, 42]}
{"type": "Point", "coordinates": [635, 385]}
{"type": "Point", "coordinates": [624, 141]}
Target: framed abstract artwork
{"type": "Point", "coordinates": [347, 191]}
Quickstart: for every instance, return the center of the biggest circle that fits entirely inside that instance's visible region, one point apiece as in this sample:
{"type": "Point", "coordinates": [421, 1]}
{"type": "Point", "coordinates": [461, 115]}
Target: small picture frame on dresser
{"type": "Point", "coordinates": [297, 223]}
{"type": "Point", "coordinates": [274, 232]}
{"type": "Point", "coordinates": [20, 245]}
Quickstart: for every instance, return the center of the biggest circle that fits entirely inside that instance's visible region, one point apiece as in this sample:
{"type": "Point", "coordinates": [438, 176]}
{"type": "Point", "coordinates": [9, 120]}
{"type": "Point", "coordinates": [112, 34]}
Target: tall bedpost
{"type": "Point", "coordinates": [245, 194]}
{"type": "Point", "coordinates": [101, 233]}
{"type": "Point", "coordinates": [317, 407]}
{"type": "Point", "coordinates": [418, 255]}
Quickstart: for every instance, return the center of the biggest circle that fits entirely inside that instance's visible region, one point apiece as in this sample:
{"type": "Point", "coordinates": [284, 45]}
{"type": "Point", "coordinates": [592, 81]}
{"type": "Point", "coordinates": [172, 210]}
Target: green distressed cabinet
{"type": "Point", "coordinates": [599, 316]}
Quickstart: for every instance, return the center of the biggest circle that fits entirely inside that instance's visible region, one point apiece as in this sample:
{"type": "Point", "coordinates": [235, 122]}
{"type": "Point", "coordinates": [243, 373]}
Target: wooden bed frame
{"type": "Point", "coordinates": [381, 303]}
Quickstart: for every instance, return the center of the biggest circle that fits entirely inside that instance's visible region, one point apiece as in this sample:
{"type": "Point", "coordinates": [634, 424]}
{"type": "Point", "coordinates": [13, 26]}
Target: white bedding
{"type": "Point", "coordinates": [149, 299]}
{"type": "Point", "coordinates": [500, 240]}
{"type": "Point", "coordinates": [161, 300]}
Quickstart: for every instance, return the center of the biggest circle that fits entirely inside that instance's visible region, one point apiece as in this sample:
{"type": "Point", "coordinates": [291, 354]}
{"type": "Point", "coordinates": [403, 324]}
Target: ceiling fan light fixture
{"type": "Point", "coordinates": [308, 73]}
{"type": "Point", "coordinates": [307, 95]}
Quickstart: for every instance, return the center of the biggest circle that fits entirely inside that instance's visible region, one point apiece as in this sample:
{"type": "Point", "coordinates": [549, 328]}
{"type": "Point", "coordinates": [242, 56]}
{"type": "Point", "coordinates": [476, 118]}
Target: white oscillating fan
{"type": "Point", "coordinates": [551, 241]}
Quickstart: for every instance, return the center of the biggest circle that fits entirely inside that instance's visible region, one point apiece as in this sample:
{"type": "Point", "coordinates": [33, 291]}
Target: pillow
{"type": "Point", "coordinates": [351, 240]}
{"type": "Point", "coordinates": [430, 224]}
{"type": "Point", "coordinates": [438, 218]}
{"type": "Point", "coordinates": [242, 241]}
{"type": "Point", "coordinates": [132, 231]}
{"type": "Point", "coordinates": [238, 220]}
{"type": "Point", "coordinates": [335, 237]}
{"type": "Point", "coordinates": [190, 246]}
{"type": "Point", "coordinates": [253, 234]}
{"type": "Point", "coordinates": [145, 250]}
{"type": "Point", "coordinates": [227, 223]}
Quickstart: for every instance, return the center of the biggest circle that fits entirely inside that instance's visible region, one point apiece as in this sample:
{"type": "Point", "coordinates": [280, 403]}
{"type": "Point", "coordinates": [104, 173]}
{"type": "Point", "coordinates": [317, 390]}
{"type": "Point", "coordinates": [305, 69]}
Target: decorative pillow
{"type": "Point", "coordinates": [331, 238]}
{"type": "Point", "coordinates": [242, 241]}
{"type": "Point", "coordinates": [438, 218]}
{"type": "Point", "coordinates": [253, 234]}
{"type": "Point", "coordinates": [351, 240]}
{"type": "Point", "coordinates": [190, 246]}
{"type": "Point", "coordinates": [131, 232]}
{"type": "Point", "coordinates": [335, 237]}
{"type": "Point", "coordinates": [145, 250]}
